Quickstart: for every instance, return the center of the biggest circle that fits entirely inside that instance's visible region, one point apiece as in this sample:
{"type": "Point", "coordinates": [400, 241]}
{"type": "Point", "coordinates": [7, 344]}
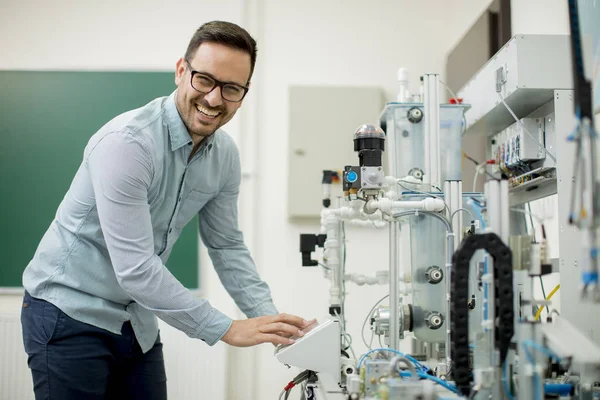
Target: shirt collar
{"type": "Point", "coordinates": [178, 133]}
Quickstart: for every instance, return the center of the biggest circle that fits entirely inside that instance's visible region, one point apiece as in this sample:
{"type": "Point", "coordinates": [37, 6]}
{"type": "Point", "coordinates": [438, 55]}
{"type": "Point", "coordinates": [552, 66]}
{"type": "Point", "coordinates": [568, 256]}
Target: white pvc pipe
{"type": "Point", "coordinates": [367, 224]}
{"type": "Point", "coordinates": [427, 178]}
{"type": "Point", "coordinates": [394, 296]}
{"type": "Point", "coordinates": [330, 225]}
{"type": "Point", "coordinates": [387, 205]}
{"type": "Point", "coordinates": [350, 213]}
{"type": "Point", "coordinates": [380, 278]}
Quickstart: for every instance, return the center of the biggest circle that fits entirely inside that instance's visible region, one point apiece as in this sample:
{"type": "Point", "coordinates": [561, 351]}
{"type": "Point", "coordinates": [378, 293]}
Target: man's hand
{"type": "Point", "coordinates": [274, 329]}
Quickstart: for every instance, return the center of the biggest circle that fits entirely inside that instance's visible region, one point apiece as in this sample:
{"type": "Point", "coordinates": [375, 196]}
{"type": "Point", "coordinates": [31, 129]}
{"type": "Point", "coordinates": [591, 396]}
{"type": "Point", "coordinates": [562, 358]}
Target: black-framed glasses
{"type": "Point", "coordinates": [205, 83]}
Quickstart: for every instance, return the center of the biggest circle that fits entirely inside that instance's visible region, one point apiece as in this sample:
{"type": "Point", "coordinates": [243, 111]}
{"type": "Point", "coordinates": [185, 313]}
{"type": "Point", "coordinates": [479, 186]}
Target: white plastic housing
{"type": "Point", "coordinates": [318, 351]}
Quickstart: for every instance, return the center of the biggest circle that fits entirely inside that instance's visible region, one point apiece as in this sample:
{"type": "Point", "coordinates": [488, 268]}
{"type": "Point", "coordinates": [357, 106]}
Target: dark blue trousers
{"type": "Point", "coordinates": [73, 360]}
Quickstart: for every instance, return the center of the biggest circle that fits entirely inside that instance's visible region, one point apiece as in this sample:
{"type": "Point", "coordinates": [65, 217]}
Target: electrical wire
{"type": "Point", "coordinates": [543, 294]}
{"type": "Point", "coordinates": [549, 353]}
{"type": "Point", "coordinates": [345, 334]}
{"type": "Point", "coordinates": [474, 161]}
{"type": "Point", "coordinates": [463, 210]}
{"type": "Point", "coordinates": [417, 183]}
{"type": "Point", "coordinates": [531, 220]}
{"type": "Point", "coordinates": [303, 391]}
{"type": "Point", "coordinates": [473, 394]}
{"type": "Point", "coordinates": [468, 157]}
{"type": "Point", "coordinates": [505, 382]}
{"type": "Point", "coordinates": [325, 266]}
{"type": "Point", "coordinates": [539, 219]}
{"type": "Point", "coordinates": [424, 193]}
{"type": "Point", "coordinates": [539, 313]}
{"type": "Point", "coordinates": [347, 337]}
{"type": "Point", "coordinates": [369, 314]}
{"type": "Point", "coordinates": [298, 379]}
{"type": "Point", "coordinates": [430, 213]}
{"type": "Point", "coordinates": [449, 90]}
{"type": "Point", "coordinates": [464, 119]}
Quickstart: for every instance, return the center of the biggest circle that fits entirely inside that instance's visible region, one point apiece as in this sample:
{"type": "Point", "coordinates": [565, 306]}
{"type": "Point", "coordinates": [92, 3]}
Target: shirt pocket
{"type": "Point", "coordinates": [190, 206]}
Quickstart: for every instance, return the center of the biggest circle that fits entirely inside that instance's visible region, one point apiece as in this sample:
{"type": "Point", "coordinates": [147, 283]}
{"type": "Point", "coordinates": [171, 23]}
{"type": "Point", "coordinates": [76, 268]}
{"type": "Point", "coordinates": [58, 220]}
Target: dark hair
{"type": "Point", "coordinates": [225, 33]}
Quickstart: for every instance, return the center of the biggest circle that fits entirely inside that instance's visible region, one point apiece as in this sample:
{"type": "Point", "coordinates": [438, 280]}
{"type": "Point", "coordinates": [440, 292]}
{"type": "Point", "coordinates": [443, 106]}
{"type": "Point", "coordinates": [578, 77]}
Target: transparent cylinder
{"type": "Point", "coordinates": [428, 252]}
{"type": "Point", "coordinates": [405, 130]}
{"type": "Point", "coordinates": [451, 127]}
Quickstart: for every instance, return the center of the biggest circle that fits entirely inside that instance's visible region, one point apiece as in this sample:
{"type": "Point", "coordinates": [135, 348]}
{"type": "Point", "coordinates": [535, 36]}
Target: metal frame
{"type": "Point", "coordinates": [582, 314]}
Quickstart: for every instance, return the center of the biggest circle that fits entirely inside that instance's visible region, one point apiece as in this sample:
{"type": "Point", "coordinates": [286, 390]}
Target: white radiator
{"type": "Point", "coordinates": [15, 378]}
{"type": "Point", "coordinates": [194, 370]}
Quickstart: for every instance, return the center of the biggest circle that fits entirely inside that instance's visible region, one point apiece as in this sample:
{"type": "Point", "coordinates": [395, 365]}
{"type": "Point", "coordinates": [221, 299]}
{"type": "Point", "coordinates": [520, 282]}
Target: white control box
{"type": "Point", "coordinates": [514, 146]}
{"type": "Point", "coordinates": [319, 350]}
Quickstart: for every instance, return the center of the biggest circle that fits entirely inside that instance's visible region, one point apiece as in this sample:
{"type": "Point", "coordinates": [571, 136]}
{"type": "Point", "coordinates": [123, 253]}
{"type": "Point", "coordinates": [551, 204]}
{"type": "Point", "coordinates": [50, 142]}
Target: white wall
{"type": "Point", "coordinates": [101, 35]}
{"type": "Point", "coordinates": [539, 17]}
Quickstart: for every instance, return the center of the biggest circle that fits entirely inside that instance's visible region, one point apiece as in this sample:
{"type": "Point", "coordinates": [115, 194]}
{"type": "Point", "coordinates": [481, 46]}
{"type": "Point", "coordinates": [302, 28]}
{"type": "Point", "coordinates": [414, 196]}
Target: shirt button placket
{"type": "Point", "coordinates": [178, 205]}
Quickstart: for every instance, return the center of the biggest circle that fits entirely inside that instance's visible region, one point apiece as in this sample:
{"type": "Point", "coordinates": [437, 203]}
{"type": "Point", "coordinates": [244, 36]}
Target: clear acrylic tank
{"type": "Point", "coordinates": [405, 140]}
{"type": "Point", "coordinates": [428, 252]}
{"type": "Point", "coordinates": [405, 136]}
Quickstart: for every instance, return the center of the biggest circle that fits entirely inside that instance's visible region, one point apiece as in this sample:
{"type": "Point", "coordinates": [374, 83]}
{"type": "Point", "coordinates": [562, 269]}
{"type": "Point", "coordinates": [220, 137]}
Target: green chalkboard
{"type": "Point", "coordinates": [46, 119]}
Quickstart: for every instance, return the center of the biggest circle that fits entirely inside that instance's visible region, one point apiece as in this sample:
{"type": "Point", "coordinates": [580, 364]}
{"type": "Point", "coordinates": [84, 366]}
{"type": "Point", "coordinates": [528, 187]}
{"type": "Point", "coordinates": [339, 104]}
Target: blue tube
{"type": "Point", "coordinates": [505, 382]}
{"type": "Point", "coordinates": [477, 210]}
{"type": "Point", "coordinates": [450, 387]}
{"type": "Point", "coordinates": [589, 277]}
{"type": "Point", "coordinates": [542, 349]}
{"type": "Point", "coordinates": [561, 389]}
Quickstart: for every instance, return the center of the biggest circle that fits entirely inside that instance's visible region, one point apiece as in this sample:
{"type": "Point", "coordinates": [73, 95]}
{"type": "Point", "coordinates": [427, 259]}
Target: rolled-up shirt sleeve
{"type": "Point", "coordinates": [121, 171]}
{"type": "Point", "coordinates": [230, 256]}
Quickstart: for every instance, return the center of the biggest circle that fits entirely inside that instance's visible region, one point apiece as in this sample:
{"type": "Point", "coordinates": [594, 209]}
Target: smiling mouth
{"type": "Point", "coordinates": [207, 113]}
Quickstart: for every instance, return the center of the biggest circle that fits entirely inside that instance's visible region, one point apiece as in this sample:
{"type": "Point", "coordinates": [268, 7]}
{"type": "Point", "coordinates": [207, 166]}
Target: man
{"type": "Point", "coordinates": [98, 279]}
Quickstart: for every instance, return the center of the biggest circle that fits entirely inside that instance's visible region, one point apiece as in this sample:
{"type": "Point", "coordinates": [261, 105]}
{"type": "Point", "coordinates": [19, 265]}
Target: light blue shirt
{"type": "Point", "coordinates": [102, 260]}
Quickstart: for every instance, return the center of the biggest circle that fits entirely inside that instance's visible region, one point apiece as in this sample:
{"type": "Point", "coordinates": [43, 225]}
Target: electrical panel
{"type": "Point", "coordinates": [514, 147]}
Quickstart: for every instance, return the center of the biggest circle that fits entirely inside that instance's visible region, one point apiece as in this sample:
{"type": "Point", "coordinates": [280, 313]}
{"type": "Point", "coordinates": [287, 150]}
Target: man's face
{"type": "Point", "coordinates": [204, 113]}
